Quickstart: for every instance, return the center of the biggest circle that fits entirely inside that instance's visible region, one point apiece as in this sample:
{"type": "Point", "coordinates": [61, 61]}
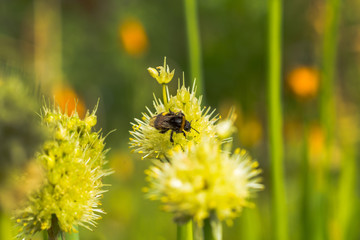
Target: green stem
{"type": "Point", "coordinates": [73, 236]}
{"type": "Point", "coordinates": [305, 213]}
{"type": "Point", "coordinates": [5, 226]}
{"type": "Point", "coordinates": [347, 187]}
{"type": "Point", "coordinates": [185, 231]}
{"type": "Point", "coordinates": [164, 94]}
{"type": "Point", "coordinates": [55, 232]}
{"type": "Point", "coordinates": [45, 235]}
{"type": "Point", "coordinates": [327, 107]}
{"type": "Point", "coordinates": [48, 44]}
{"type": "Point", "coordinates": [208, 233]}
{"type": "Point", "coordinates": [194, 47]}
{"type": "Point", "coordinates": [212, 228]}
{"type": "Point", "coordinates": [279, 212]}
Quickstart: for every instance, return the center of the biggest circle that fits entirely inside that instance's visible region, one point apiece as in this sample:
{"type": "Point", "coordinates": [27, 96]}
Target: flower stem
{"type": "Point", "coordinates": [5, 226]}
{"type": "Point", "coordinates": [72, 236]}
{"type": "Point", "coordinates": [54, 232]}
{"type": "Point", "coordinates": [279, 212]}
{"type": "Point", "coordinates": [185, 231]}
{"type": "Point", "coordinates": [194, 47]}
{"type": "Point", "coordinates": [212, 229]}
{"type": "Point", "coordinates": [208, 233]}
{"type": "Point", "coordinates": [327, 106]}
{"type": "Point", "coordinates": [48, 46]}
{"type": "Point", "coordinates": [45, 235]}
{"type": "Point", "coordinates": [305, 213]}
{"type": "Point", "coordinates": [164, 94]}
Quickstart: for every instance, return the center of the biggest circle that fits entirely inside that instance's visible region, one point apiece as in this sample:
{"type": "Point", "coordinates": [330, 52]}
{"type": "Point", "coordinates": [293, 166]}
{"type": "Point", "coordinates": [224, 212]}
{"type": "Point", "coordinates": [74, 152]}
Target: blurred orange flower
{"type": "Point", "coordinates": [68, 100]}
{"type": "Point", "coordinates": [133, 37]}
{"type": "Point", "coordinates": [304, 82]}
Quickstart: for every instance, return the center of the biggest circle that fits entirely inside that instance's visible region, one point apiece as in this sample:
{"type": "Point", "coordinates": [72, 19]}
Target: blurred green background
{"type": "Point", "coordinates": [92, 49]}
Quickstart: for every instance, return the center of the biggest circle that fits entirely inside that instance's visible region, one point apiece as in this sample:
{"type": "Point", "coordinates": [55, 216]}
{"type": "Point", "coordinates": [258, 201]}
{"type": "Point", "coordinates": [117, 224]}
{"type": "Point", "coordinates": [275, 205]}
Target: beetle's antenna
{"type": "Point", "coordinates": [195, 130]}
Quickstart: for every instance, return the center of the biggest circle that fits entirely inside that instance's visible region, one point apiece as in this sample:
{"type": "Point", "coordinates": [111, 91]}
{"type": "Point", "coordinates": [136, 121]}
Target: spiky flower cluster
{"type": "Point", "coordinates": [149, 141]}
{"type": "Point", "coordinates": [74, 167]}
{"type": "Point", "coordinates": [200, 177]}
{"type": "Point", "coordinates": [203, 179]}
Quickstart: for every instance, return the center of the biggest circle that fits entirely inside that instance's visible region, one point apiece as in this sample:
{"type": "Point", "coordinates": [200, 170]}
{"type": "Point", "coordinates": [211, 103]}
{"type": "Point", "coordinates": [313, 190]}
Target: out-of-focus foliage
{"type": "Point", "coordinates": [20, 130]}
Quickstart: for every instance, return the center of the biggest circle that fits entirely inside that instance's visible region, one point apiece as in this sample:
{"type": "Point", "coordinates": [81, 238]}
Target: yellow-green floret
{"type": "Point", "coordinates": [152, 144]}
{"type": "Point", "coordinates": [73, 161]}
{"type": "Point", "coordinates": [202, 180]}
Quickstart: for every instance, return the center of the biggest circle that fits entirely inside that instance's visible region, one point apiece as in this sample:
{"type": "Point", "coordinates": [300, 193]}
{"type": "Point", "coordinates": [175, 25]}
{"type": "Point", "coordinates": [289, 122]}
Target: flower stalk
{"type": "Point", "coordinates": [194, 46]}
{"type": "Point", "coordinates": [212, 229]}
{"type": "Point", "coordinates": [164, 94]}
{"type": "Point", "coordinates": [279, 213]}
{"type": "Point", "coordinates": [185, 231]}
{"type": "Point", "coordinates": [54, 232]}
{"type": "Point", "coordinates": [327, 110]}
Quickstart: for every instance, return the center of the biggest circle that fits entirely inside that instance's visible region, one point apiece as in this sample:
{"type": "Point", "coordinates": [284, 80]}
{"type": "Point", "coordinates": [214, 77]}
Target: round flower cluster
{"type": "Point", "coordinates": [149, 141]}
{"type": "Point", "coordinates": [203, 179]}
{"type": "Point", "coordinates": [74, 167]}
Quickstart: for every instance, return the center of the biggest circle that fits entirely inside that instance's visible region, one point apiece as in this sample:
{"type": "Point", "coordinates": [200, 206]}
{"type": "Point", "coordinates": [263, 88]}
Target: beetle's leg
{"type": "Point", "coordinates": [184, 133]}
{"type": "Point", "coordinates": [171, 137]}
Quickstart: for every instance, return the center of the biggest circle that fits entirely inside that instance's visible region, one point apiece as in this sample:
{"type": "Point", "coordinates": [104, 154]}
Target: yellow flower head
{"type": "Point", "coordinates": [163, 76]}
{"type": "Point", "coordinates": [73, 162]}
{"type": "Point", "coordinates": [202, 180]}
{"type": "Point", "coordinates": [153, 144]}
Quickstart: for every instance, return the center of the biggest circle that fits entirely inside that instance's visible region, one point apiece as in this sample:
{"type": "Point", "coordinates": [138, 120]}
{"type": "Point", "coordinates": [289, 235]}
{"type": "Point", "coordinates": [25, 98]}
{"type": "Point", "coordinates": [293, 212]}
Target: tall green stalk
{"type": "Point", "coordinates": [347, 186]}
{"type": "Point", "coordinates": [279, 211]}
{"type": "Point", "coordinates": [185, 232]}
{"type": "Point", "coordinates": [212, 228]}
{"type": "Point", "coordinates": [5, 226]}
{"type": "Point", "coordinates": [306, 217]}
{"type": "Point", "coordinates": [55, 233]}
{"type": "Point", "coordinates": [328, 69]}
{"type": "Point", "coordinates": [327, 107]}
{"type": "Point", "coordinates": [194, 46]}
{"type": "Point", "coordinates": [207, 230]}
{"type": "Point", "coordinates": [194, 51]}
{"type": "Point", "coordinates": [72, 236]}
